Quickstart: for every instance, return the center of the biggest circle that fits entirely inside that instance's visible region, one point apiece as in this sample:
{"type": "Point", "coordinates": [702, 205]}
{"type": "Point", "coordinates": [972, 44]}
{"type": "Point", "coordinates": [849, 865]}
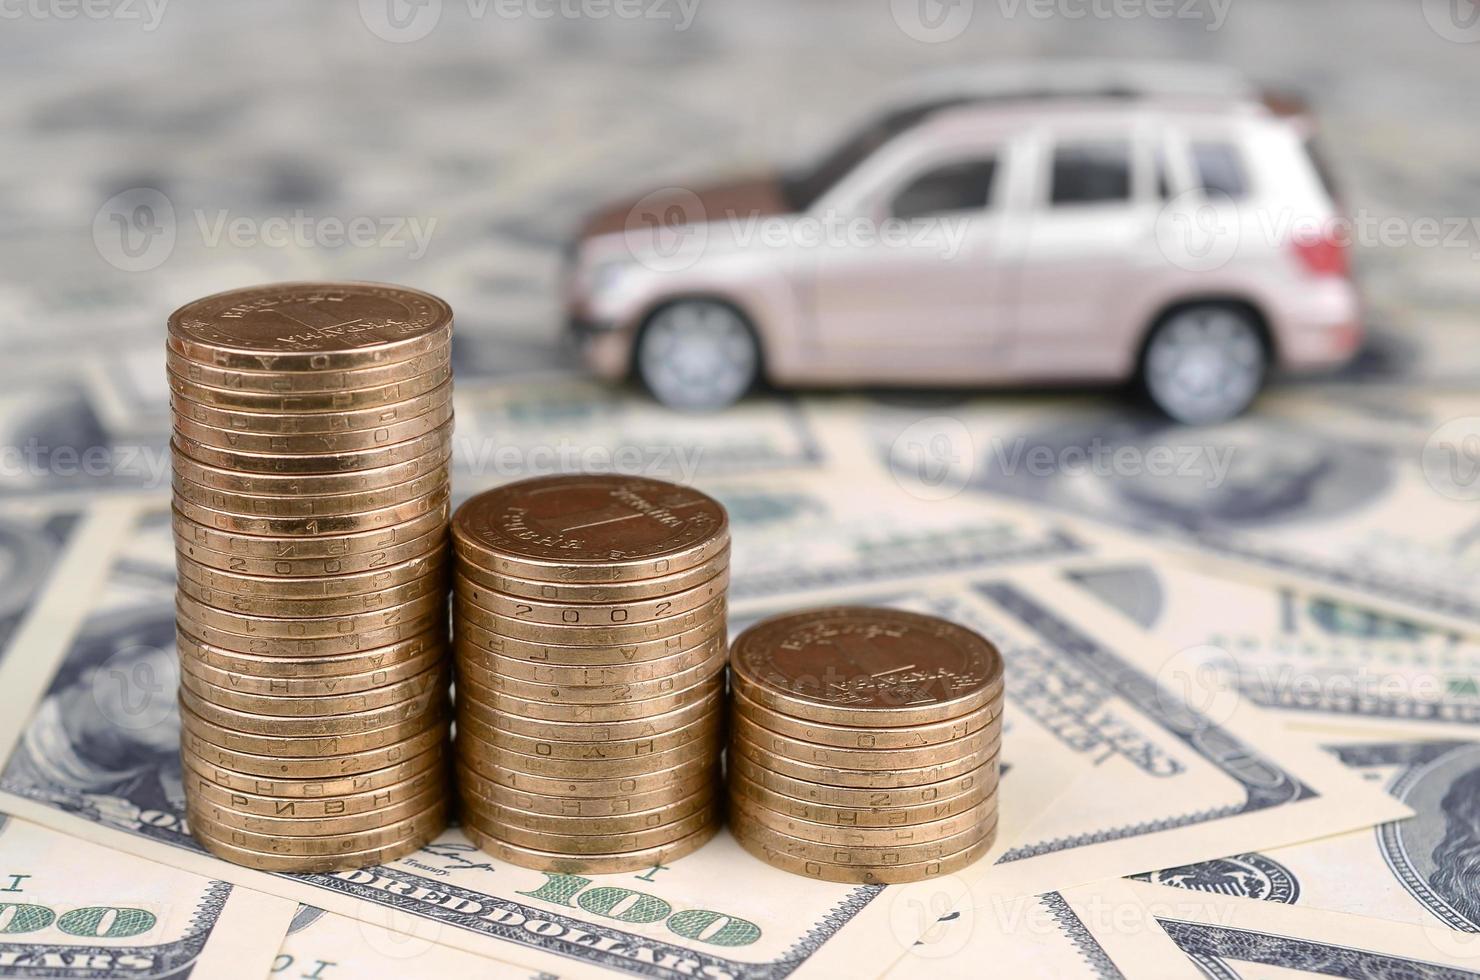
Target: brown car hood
{"type": "Point", "coordinates": [743, 198]}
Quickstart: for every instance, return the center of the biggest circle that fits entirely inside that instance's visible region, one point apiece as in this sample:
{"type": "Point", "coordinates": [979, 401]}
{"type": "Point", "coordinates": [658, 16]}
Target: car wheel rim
{"type": "Point", "coordinates": [697, 355]}
{"type": "Point", "coordinates": [1205, 365]}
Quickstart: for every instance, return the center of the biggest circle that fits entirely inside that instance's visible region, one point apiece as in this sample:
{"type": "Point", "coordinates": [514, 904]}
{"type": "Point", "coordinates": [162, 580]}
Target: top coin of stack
{"type": "Point", "coordinates": [589, 627]}
{"type": "Point", "coordinates": [864, 744]}
{"type": "Point", "coordinates": [312, 431]}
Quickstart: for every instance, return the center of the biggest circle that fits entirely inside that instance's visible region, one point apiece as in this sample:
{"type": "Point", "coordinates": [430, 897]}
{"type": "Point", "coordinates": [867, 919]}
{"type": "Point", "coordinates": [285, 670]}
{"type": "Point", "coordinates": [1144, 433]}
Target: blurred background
{"type": "Point", "coordinates": [455, 145]}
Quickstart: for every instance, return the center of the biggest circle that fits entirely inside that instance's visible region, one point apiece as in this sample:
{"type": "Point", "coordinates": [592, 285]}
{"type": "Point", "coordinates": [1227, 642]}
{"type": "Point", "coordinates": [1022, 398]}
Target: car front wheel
{"type": "Point", "coordinates": [697, 355]}
{"type": "Point", "coordinates": [1204, 364]}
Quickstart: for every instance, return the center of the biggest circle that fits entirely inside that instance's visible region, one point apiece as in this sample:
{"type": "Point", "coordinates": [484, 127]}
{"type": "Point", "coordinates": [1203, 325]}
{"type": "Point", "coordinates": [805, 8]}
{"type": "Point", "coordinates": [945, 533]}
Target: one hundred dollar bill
{"type": "Point", "coordinates": [74, 910]}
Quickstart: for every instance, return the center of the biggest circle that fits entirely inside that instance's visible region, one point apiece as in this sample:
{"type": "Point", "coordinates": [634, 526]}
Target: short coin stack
{"type": "Point", "coordinates": [312, 431]}
{"type": "Point", "coordinates": [589, 626]}
{"type": "Point", "coordinates": [864, 744]}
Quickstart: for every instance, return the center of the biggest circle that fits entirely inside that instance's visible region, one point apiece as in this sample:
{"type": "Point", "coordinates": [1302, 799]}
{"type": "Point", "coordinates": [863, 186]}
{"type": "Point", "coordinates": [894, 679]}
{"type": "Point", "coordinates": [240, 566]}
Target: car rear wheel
{"type": "Point", "coordinates": [697, 355]}
{"type": "Point", "coordinates": [1204, 364]}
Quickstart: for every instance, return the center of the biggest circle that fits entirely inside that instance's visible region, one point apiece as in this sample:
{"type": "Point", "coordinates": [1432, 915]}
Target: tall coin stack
{"type": "Point", "coordinates": [864, 744]}
{"type": "Point", "coordinates": [312, 432]}
{"type": "Point", "coordinates": [589, 626]}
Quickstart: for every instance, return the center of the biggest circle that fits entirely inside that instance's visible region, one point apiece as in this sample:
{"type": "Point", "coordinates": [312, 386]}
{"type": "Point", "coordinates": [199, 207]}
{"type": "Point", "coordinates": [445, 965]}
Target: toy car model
{"type": "Point", "coordinates": [1104, 225]}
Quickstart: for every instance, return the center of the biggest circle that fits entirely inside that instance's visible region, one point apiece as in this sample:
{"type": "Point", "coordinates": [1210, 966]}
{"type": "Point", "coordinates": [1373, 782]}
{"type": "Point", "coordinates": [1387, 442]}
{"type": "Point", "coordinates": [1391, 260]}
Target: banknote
{"type": "Point", "coordinates": [323, 946]}
{"type": "Point", "coordinates": [1418, 870]}
{"type": "Point", "coordinates": [1237, 938]}
{"type": "Point", "coordinates": [1269, 495]}
{"type": "Point", "coordinates": [1099, 931]}
{"type": "Point", "coordinates": [74, 910]}
{"type": "Point", "coordinates": [1318, 661]}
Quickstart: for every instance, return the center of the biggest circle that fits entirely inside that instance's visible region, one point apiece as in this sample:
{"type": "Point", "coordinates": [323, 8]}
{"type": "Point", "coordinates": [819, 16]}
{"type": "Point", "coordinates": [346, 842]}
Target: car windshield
{"type": "Point", "coordinates": [804, 186]}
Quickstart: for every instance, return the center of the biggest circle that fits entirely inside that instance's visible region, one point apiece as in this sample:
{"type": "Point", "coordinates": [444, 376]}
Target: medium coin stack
{"type": "Point", "coordinates": [589, 627]}
{"type": "Point", "coordinates": [864, 744]}
{"type": "Point", "coordinates": [312, 432]}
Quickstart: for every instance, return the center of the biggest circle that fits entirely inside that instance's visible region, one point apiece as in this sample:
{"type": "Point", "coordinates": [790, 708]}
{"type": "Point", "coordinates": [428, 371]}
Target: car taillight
{"type": "Point", "coordinates": [1322, 255]}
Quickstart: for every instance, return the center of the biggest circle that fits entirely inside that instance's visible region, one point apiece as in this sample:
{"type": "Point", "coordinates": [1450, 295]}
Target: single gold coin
{"type": "Point", "coordinates": [590, 528]}
{"type": "Point", "coordinates": [498, 814]}
{"type": "Point", "coordinates": [598, 843]}
{"type": "Point", "coordinates": [310, 326]}
{"type": "Point", "coordinates": [706, 705]}
{"type": "Point", "coordinates": [601, 592]}
{"type": "Point", "coordinates": [435, 679]}
{"type": "Point", "coordinates": [591, 614]}
{"type": "Point", "coordinates": [317, 607]}
{"type": "Point", "coordinates": [855, 737]}
{"type": "Point", "coordinates": [472, 748]}
{"type": "Point", "coordinates": [413, 710]}
{"type": "Point", "coordinates": [308, 505]}
{"type": "Point", "coordinates": [596, 636]}
{"type": "Point", "coordinates": [855, 874]}
{"type": "Point", "coordinates": [582, 713]}
{"type": "Point", "coordinates": [430, 821]}
{"type": "Point", "coordinates": [289, 683]}
{"type": "Point", "coordinates": [223, 816]}
{"type": "Point", "coordinates": [832, 835]}
{"type": "Point", "coordinates": [615, 787]}
{"type": "Point", "coordinates": [859, 778]}
{"type": "Point", "coordinates": [305, 864]}
{"type": "Point", "coordinates": [743, 825]}
{"type": "Point", "coordinates": [851, 665]}
{"type": "Point", "coordinates": [433, 760]}
{"type": "Point", "coordinates": [280, 461]}
{"type": "Point", "coordinates": [539, 805]}
{"type": "Point", "coordinates": [276, 485]}
{"type": "Point", "coordinates": [596, 753]}
{"type": "Point", "coordinates": [371, 544]}
{"type": "Point", "coordinates": [295, 628]}
{"type": "Point", "coordinates": [433, 544]}
{"type": "Point", "coordinates": [434, 501]}
{"type": "Point", "coordinates": [537, 860]}
{"type": "Point", "coordinates": [311, 443]}
{"type": "Point", "coordinates": [428, 623]}
{"type": "Point", "coordinates": [868, 798]}
{"type": "Point", "coordinates": [681, 680]}
{"type": "Point", "coordinates": [312, 768]}
{"type": "Point", "coordinates": [303, 747]}
{"type": "Point", "coordinates": [470, 634]}
{"type": "Point", "coordinates": [429, 565]}
{"type": "Point", "coordinates": [860, 817]}
{"type": "Point", "coordinates": [306, 423]}
{"type": "Point", "coordinates": [207, 791]}
{"type": "Point", "coordinates": [562, 676]}
{"type": "Point", "coordinates": [982, 743]}
{"type": "Point", "coordinates": [287, 384]}
{"type": "Point", "coordinates": [345, 399]}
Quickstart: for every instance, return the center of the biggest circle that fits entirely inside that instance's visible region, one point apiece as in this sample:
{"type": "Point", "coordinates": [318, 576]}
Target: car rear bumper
{"type": "Point", "coordinates": [1322, 328]}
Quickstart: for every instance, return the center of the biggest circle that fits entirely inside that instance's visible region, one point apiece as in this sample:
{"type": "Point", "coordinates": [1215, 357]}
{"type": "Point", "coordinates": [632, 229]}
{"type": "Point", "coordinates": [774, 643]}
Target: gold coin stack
{"type": "Point", "coordinates": [864, 744]}
{"type": "Point", "coordinates": [312, 432]}
{"type": "Point", "coordinates": [589, 627]}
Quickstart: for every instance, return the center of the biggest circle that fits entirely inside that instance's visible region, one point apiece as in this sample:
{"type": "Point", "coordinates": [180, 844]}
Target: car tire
{"type": "Point", "coordinates": [1204, 363]}
{"type": "Point", "coordinates": [697, 355]}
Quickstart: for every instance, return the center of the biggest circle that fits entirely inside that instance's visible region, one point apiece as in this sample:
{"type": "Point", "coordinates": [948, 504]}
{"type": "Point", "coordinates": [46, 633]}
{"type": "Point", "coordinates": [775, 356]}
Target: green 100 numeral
{"type": "Point", "coordinates": [100, 922]}
{"type": "Point", "coordinates": [629, 905]}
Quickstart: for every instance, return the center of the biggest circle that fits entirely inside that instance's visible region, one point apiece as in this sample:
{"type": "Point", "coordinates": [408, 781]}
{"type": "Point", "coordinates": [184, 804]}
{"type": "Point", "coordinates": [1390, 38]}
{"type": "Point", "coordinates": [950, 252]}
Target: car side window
{"type": "Point", "coordinates": [1220, 169]}
{"type": "Point", "coordinates": [962, 185]}
{"type": "Point", "coordinates": [1091, 172]}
